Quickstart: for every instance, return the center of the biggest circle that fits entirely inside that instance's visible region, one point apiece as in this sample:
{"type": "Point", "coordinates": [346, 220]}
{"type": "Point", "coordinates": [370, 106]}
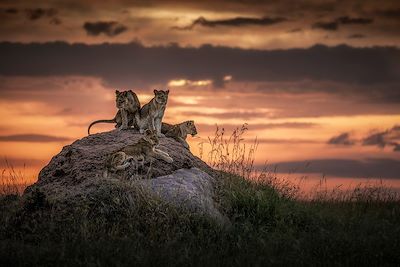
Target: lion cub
{"type": "Point", "coordinates": [151, 114]}
{"type": "Point", "coordinates": [116, 162]}
{"type": "Point", "coordinates": [179, 131]}
{"type": "Point", "coordinates": [128, 105]}
{"type": "Point", "coordinates": [139, 152]}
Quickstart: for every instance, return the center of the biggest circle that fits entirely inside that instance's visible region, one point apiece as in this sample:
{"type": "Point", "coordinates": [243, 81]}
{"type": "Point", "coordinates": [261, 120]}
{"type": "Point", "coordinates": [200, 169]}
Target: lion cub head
{"type": "Point", "coordinates": [120, 98]}
{"type": "Point", "coordinates": [161, 97]}
{"type": "Point", "coordinates": [151, 137]}
{"type": "Point", "coordinates": [190, 128]}
{"type": "Point", "coordinates": [126, 100]}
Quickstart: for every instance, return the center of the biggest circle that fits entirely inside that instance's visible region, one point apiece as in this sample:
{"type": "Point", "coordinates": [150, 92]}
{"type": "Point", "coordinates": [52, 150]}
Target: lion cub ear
{"type": "Point", "coordinates": [117, 92]}
{"type": "Point", "coordinates": [155, 91]}
{"type": "Point", "coordinates": [167, 92]}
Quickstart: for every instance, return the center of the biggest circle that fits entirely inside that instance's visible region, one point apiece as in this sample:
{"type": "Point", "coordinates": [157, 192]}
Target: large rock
{"type": "Point", "coordinates": [75, 175]}
{"type": "Point", "coordinates": [190, 188]}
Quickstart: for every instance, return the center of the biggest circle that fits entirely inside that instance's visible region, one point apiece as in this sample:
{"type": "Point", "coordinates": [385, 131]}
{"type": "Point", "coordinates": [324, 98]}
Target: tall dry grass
{"type": "Point", "coordinates": [13, 181]}
{"type": "Point", "coordinates": [366, 192]}
{"type": "Point", "coordinates": [231, 154]}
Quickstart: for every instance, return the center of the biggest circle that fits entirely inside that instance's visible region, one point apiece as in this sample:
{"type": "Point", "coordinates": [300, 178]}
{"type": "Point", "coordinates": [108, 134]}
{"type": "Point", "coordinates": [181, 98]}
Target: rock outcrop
{"type": "Point", "coordinates": [75, 174]}
{"type": "Point", "coordinates": [189, 188]}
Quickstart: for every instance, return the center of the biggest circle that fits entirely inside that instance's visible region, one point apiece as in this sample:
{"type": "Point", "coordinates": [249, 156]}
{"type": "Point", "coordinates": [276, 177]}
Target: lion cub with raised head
{"type": "Point", "coordinates": [151, 114]}
{"type": "Point", "coordinates": [179, 131]}
{"type": "Point", "coordinates": [127, 104]}
{"type": "Point", "coordinates": [139, 152]}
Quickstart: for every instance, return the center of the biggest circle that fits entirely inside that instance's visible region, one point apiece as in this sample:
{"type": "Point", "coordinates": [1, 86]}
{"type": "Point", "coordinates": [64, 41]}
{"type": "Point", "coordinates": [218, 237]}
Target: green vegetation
{"type": "Point", "coordinates": [269, 226]}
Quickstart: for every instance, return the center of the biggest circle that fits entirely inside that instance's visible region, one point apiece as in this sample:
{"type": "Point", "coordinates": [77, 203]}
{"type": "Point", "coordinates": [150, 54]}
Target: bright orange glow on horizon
{"type": "Point", "coordinates": [281, 139]}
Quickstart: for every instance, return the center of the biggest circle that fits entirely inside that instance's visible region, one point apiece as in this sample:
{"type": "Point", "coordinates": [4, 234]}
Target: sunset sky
{"type": "Point", "coordinates": [317, 82]}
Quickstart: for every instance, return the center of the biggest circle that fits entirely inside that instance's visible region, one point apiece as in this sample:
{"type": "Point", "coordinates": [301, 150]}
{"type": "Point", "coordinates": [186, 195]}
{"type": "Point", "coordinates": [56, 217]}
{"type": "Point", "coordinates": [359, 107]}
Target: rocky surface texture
{"type": "Point", "coordinates": [74, 176]}
{"type": "Point", "coordinates": [189, 188]}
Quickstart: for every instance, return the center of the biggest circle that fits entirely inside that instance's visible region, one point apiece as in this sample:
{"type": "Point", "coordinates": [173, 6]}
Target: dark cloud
{"type": "Point", "coordinates": [233, 22]}
{"type": "Point", "coordinates": [389, 137]}
{"type": "Point", "coordinates": [328, 26]}
{"type": "Point", "coordinates": [389, 13]}
{"type": "Point", "coordinates": [38, 13]}
{"type": "Point", "coordinates": [32, 138]}
{"type": "Point", "coordinates": [368, 168]}
{"type": "Point", "coordinates": [109, 28]}
{"type": "Point", "coordinates": [10, 11]}
{"type": "Point", "coordinates": [334, 25]}
{"type": "Point", "coordinates": [356, 36]}
{"type": "Point", "coordinates": [34, 14]}
{"type": "Point", "coordinates": [342, 139]}
{"type": "Point", "coordinates": [375, 140]}
{"type": "Point", "coordinates": [349, 20]}
{"type": "Point", "coordinates": [368, 72]}
{"type": "Point", "coordinates": [295, 30]}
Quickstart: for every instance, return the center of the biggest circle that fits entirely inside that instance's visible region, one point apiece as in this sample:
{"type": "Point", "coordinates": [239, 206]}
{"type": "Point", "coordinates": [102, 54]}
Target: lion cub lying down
{"type": "Point", "coordinates": [179, 131]}
{"type": "Point", "coordinates": [137, 153]}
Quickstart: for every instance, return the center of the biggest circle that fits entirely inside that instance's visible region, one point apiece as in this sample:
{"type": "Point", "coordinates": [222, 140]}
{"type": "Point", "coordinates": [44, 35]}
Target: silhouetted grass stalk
{"type": "Point", "coordinates": [13, 181]}
{"type": "Point", "coordinates": [230, 154]}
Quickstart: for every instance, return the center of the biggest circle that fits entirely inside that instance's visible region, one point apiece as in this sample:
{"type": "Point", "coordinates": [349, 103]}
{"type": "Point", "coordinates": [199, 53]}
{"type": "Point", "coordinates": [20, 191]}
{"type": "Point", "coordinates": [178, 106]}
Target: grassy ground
{"type": "Point", "coordinates": [269, 226]}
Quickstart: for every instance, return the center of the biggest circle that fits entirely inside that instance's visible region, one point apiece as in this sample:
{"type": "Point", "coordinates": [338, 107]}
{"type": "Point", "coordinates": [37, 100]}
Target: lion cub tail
{"type": "Point", "coordinates": [100, 121]}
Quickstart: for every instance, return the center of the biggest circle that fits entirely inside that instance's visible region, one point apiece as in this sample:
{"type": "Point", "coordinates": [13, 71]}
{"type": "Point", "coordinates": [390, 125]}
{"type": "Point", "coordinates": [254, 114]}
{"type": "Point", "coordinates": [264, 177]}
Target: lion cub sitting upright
{"type": "Point", "coordinates": [150, 115]}
{"type": "Point", "coordinates": [139, 152]}
{"type": "Point", "coordinates": [179, 131]}
{"type": "Point", "coordinates": [127, 104]}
